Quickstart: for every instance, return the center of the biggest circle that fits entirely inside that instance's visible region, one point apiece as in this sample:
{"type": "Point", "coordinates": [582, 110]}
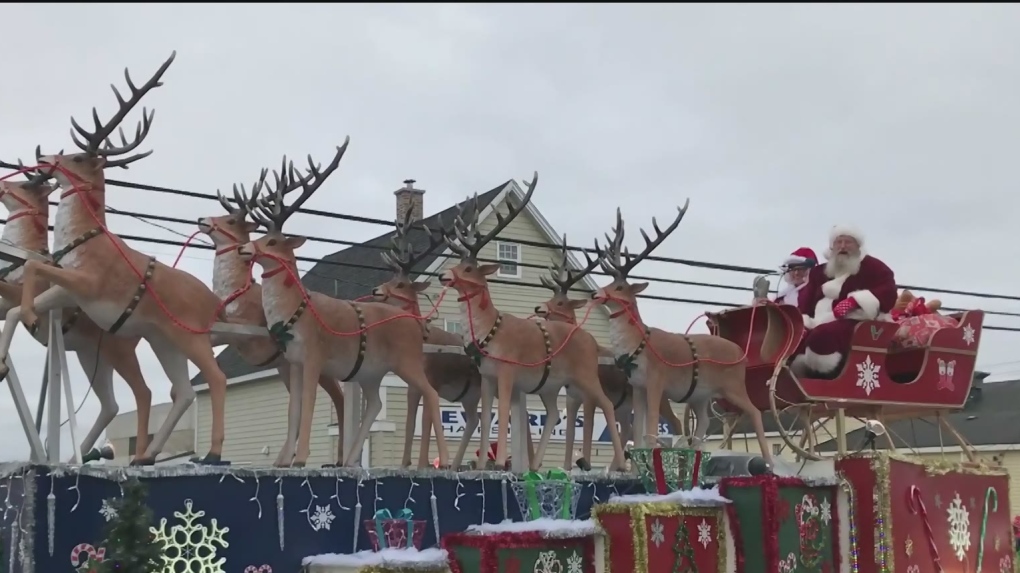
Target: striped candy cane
{"type": "Point", "coordinates": [91, 552]}
{"type": "Point", "coordinates": [917, 508]}
{"type": "Point", "coordinates": [990, 496]}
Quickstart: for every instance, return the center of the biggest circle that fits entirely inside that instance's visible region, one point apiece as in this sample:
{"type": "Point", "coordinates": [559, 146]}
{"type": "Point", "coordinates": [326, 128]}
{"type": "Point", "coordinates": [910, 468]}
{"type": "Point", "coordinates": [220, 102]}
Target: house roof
{"type": "Point", "coordinates": [350, 282]}
{"type": "Point", "coordinates": [988, 418]}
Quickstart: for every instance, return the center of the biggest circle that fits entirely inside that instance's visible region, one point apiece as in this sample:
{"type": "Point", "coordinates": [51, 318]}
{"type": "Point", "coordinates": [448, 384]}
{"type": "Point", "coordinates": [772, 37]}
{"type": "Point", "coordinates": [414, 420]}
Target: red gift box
{"type": "Point", "coordinates": [916, 331]}
{"type": "Point", "coordinates": [394, 531]}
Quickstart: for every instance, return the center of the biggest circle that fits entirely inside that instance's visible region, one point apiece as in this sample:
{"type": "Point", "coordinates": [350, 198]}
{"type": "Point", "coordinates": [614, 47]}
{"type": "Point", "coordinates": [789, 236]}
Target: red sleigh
{"type": "Point", "coordinates": [877, 379]}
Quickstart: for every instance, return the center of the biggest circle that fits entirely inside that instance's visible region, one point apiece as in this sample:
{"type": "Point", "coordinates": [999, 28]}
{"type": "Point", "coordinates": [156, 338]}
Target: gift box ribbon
{"type": "Point", "coordinates": [384, 515]}
{"type": "Point", "coordinates": [661, 485]}
{"type": "Point", "coordinates": [534, 504]}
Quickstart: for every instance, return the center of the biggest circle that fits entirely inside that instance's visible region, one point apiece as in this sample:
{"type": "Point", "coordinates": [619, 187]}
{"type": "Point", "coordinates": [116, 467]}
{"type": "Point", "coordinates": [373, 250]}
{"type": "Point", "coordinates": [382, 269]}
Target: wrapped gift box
{"type": "Point", "coordinates": [783, 524]}
{"type": "Point", "coordinates": [665, 470]}
{"type": "Point", "coordinates": [552, 495]}
{"type": "Point", "coordinates": [385, 561]}
{"type": "Point", "coordinates": [386, 531]}
{"type": "Point", "coordinates": [650, 533]}
{"type": "Point", "coordinates": [553, 545]}
{"type": "Point", "coordinates": [908, 512]}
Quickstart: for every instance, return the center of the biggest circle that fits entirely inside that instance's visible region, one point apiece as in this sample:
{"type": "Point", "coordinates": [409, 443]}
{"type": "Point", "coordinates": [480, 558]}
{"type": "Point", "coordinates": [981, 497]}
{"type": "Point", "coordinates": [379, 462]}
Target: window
{"type": "Point", "coordinates": [133, 442]}
{"type": "Point", "coordinates": [777, 449]}
{"type": "Point", "coordinates": [508, 254]}
{"type": "Point", "coordinates": [453, 326]}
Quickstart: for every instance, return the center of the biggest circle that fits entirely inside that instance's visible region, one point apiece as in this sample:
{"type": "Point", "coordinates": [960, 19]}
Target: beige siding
{"type": "Point", "coordinates": [256, 419]}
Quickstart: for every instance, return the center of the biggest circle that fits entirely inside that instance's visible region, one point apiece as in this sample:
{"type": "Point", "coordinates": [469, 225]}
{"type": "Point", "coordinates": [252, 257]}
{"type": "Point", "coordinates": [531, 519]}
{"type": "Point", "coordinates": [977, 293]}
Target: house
{"type": "Point", "coordinates": [256, 404]}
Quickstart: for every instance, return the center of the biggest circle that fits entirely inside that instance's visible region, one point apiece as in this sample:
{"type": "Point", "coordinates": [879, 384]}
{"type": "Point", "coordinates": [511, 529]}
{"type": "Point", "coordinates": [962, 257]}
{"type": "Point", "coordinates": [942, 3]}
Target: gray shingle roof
{"type": "Point", "coordinates": [351, 282]}
{"type": "Point", "coordinates": [988, 418]}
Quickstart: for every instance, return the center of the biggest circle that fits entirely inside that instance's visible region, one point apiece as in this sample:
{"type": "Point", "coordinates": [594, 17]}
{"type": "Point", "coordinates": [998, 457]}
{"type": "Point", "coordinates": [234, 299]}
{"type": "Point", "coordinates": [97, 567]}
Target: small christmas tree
{"type": "Point", "coordinates": [131, 547]}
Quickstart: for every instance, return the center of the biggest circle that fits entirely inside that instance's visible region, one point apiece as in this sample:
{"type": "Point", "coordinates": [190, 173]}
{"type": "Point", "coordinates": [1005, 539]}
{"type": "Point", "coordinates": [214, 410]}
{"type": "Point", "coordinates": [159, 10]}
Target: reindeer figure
{"type": "Point", "coordinates": [350, 341]}
{"type": "Point", "coordinates": [700, 367]}
{"type": "Point", "coordinates": [562, 308]}
{"type": "Point", "coordinates": [516, 353]}
{"type": "Point", "coordinates": [231, 274]}
{"type": "Point", "coordinates": [453, 376]}
{"type": "Point", "coordinates": [99, 357]}
{"type": "Point", "coordinates": [125, 292]}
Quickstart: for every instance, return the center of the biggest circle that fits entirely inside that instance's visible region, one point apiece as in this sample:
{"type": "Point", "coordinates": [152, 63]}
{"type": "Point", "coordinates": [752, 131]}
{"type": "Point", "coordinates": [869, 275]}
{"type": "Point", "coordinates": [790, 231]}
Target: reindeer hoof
{"type": "Point", "coordinates": [583, 464]}
{"type": "Point", "coordinates": [490, 465]}
{"type": "Point", "coordinates": [143, 461]}
{"type": "Point", "coordinates": [330, 466]}
{"type": "Point", "coordinates": [297, 464]}
{"type": "Point", "coordinates": [212, 459]}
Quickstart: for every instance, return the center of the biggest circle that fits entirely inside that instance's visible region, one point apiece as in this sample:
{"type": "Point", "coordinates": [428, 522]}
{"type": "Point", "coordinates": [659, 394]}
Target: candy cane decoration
{"type": "Point", "coordinates": [93, 554]}
{"type": "Point", "coordinates": [993, 496]}
{"type": "Point", "coordinates": [917, 507]}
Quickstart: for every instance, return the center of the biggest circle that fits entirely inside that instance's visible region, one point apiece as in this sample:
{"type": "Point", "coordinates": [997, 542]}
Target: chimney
{"type": "Point", "coordinates": [410, 199]}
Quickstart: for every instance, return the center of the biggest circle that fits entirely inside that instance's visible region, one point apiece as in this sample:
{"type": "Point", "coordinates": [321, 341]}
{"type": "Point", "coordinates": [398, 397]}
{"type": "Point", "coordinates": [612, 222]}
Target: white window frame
{"type": "Point", "coordinates": [516, 262]}
{"type": "Point", "coordinates": [448, 321]}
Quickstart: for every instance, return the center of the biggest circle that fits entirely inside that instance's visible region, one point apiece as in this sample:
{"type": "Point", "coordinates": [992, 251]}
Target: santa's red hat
{"type": "Point", "coordinates": [801, 258]}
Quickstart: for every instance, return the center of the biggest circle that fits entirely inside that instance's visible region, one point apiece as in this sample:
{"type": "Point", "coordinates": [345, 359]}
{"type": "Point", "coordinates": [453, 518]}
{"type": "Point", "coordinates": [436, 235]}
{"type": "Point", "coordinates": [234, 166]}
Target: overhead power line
{"type": "Point", "coordinates": [698, 302]}
{"type": "Point", "coordinates": [539, 244]}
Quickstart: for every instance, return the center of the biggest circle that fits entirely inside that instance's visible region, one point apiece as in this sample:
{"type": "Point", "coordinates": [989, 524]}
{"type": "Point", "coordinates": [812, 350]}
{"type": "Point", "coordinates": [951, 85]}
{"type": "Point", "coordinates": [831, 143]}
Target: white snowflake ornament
{"type": "Point", "coordinates": [321, 518]}
{"type": "Point", "coordinates": [574, 563]}
{"type": "Point", "coordinates": [191, 546]}
{"type": "Point", "coordinates": [658, 533]}
{"type": "Point", "coordinates": [826, 511]}
{"type": "Point", "coordinates": [704, 533]}
{"type": "Point", "coordinates": [968, 334]}
{"type": "Point", "coordinates": [548, 563]}
{"type": "Point", "coordinates": [107, 511]}
{"type": "Point", "coordinates": [867, 375]}
{"type": "Point", "coordinates": [959, 527]}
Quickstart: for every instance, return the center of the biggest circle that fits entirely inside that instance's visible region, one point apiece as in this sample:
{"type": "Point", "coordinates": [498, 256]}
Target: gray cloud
{"type": "Point", "coordinates": [777, 121]}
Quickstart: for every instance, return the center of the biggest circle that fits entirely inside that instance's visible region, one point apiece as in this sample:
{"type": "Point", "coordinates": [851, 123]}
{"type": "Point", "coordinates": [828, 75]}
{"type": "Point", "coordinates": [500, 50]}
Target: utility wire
{"type": "Point", "coordinates": [687, 262]}
{"type": "Point", "coordinates": [698, 302]}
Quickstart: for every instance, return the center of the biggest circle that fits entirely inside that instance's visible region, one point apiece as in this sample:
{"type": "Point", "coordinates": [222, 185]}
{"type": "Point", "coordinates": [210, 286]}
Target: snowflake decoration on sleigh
{"type": "Point", "coordinates": [867, 375]}
{"type": "Point", "coordinates": [959, 527]}
{"type": "Point", "coordinates": [191, 546]}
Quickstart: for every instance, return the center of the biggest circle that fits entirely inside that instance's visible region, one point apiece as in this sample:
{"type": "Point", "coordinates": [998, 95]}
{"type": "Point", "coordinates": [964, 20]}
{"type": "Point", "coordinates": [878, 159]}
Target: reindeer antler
{"type": "Point", "coordinates": [617, 260]}
{"type": "Point", "coordinates": [562, 276]}
{"type": "Point", "coordinates": [270, 210]}
{"type": "Point", "coordinates": [469, 242]}
{"type": "Point", "coordinates": [37, 177]}
{"type": "Point", "coordinates": [245, 204]}
{"type": "Point", "coordinates": [401, 257]}
{"type": "Point", "coordinates": [97, 143]}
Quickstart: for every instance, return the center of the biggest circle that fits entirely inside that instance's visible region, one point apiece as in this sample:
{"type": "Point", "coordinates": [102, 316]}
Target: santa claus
{"type": "Point", "coordinates": [852, 286]}
{"type": "Point", "coordinates": [796, 269]}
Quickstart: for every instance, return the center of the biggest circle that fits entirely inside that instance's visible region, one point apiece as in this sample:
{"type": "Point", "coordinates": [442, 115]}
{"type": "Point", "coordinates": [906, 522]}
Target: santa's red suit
{"type": "Point", "coordinates": [833, 305]}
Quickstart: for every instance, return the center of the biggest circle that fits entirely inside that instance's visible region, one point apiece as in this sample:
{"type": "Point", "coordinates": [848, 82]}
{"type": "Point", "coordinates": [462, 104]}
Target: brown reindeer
{"type": "Point", "coordinates": [350, 341]}
{"type": "Point", "coordinates": [692, 368]}
{"type": "Point", "coordinates": [99, 356]}
{"type": "Point", "coordinates": [562, 308]}
{"type": "Point", "coordinates": [126, 293]}
{"type": "Point", "coordinates": [231, 274]}
{"type": "Point", "coordinates": [516, 353]}
{"type": "Point", "coordinates": [453, 376]}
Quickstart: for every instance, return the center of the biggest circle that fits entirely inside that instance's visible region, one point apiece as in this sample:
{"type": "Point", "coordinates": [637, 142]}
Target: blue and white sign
{"type": "Point", "coordinates": [453, 425]}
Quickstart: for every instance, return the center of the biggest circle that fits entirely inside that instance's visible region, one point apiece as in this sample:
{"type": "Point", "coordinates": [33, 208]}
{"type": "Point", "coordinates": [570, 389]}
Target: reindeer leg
{"type": "Point", "coordinates": [310, 372]}
{"type": "Point", "coordinates": [504, 394]}
{"type": "Point", "coordinates": [676, 427]}
{"type": "Point", "coordinates": [486, 429]}
{"type": "Point", "coordinates": [413, 373]}
{"type": "Point", "coordinates": [623, 417]}
{"type": "Point", "coordinates": [470, 403]}
{"type": "Point", "coordinates": [198, 350]}
{"type": "Point", "coordinates": [10, 295]}
{"type": "Point", "coordinates": [100, 374]}
{"type": "Point", "coordinates": [734, 391]}
{"type": "Point", "coordinates": [588, 382]}
{"type": "Point", "coordinates": [653, 396]}
{"type": "Point", "coordinates": [294, 373]}
{"type": "Point", "coordinates": [71, 280]}
{"type": "Point", "coordinates": [411, 418]}
{"type": "Point", "coordinates": [336, 396]}
{"type": "Point", "coordinates": [573, 405]}
{"type": "Point", "coordinates": [54, 297]}
{"type": "Point", "coordinates": [425, 443]}
{"type": "Point", "coordinates": [552, 417]}
{"type": "Point", "coordinates": [373, 405]}
{"type": "Point", "coordinates": [175, 365]}
{"type": "Point", "coordinates": [701, 417]}
{"type": "Point", "coordinates": [589, 429]}
{"type": "Point", "coordinates": [120, 353]}
{"type": "Point", "coordinates": [640, 401]}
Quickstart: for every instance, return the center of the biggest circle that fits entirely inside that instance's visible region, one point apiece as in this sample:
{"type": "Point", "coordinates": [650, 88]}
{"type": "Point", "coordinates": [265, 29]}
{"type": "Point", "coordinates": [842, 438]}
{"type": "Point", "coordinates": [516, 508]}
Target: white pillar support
{"type": "Point", "coordinates": [54, 388]}
{"type": "Point", "coordinates": [72, 416]}
{"type": "Point", "coordinates": [38, 452]}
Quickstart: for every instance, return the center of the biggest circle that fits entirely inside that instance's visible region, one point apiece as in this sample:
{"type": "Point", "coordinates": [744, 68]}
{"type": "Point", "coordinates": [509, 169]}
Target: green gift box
{"type": "Point", "coordinates": [551, 495]}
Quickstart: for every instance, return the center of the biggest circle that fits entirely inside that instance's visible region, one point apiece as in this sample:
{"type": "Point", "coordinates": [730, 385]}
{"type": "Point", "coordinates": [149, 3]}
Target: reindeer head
{"type": "Point", "coordinates": [234, 229]}
{"type": "Point", "coordinates": [28, 201]}
{"type": "Point", "coordinates": [97, 151]}
{"type": "Point", "coordinates": [402, 290]}
{"type": "Point", "coordinates": [617, 261]}
{"type": "Point", "coordinates": [560, 307]}
{"type": "Point", "coordinates": [274, 249]}
{"type": "Point", "coordinates": [469, 276]}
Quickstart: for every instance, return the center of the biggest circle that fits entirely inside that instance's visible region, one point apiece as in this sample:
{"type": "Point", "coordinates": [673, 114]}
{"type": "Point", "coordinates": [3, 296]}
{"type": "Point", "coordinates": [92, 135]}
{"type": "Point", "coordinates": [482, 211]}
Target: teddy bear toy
{"type": "Point", "coordinates": [908, 305]}
{"type": "Point", "coordinates": [918, 320]}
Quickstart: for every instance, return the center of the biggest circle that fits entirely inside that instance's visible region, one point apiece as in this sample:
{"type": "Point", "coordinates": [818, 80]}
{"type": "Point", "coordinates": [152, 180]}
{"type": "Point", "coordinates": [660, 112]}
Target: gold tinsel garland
{"type": "Point", "coordinates": [639, 533]}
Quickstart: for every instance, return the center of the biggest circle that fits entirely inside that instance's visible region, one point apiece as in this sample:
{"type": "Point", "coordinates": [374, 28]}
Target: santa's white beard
{"type": "Point", "coordinates": [840, 264]}
{"type": "Point", "coordinates": [788, 279]}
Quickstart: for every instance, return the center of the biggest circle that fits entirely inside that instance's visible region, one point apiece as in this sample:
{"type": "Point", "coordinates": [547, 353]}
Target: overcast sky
{"type": "Point", "coordinates": [777, 122]}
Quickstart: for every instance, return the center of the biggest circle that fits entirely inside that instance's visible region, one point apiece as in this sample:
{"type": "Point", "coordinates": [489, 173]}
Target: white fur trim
{"type": "Point", "coordinates": [795, 260]}
{"type": "Point", "coordinates": [823, 312]}
{"type": "Point", "coordinates": [809, 322]}
{"type": "Point", "coordinates": [847, 230]}
{"type": "Point", "coordinates": [822, 363]}
{"type": "Point", "coordinates": [868, 303]}
{"type": "Point", "coordinates": [799, 366]}
{"type": "Point", "coordinates": [832, 288]}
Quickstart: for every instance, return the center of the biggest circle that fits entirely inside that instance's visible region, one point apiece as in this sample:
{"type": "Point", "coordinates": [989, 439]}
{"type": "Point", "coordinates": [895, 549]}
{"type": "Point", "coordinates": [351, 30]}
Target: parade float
{"type": "Point", "coordinates": [676, 509]}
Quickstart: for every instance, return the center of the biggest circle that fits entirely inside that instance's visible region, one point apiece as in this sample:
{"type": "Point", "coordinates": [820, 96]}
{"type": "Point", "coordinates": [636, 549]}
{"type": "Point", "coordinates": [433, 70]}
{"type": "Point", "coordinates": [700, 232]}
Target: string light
{"type": "Point", "coordinates": [311, 501]}
{"type": "Point", "coordinates": [410, 492]}
{"type": "Point", "coordinates": [75, 489]}
{"type": "Point", "coordinates": [336, 495]}
{"type": "Point", "coordinates": [459, 493]}
{"type": "Point", "coordinates": [279, 512]}
{"type": "Point", "coordinates": [255, 497]}
{"type": "Point", "coordinates": [51, 515]}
